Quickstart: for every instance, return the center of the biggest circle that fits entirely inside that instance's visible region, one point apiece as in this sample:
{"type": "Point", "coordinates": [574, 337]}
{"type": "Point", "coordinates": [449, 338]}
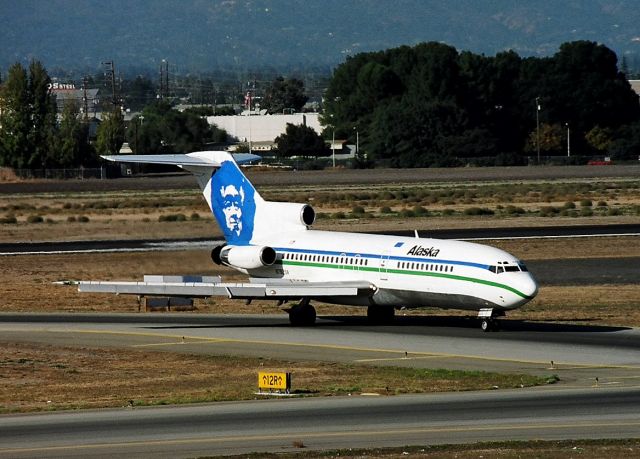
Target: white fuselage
{"type": "Point", "coordinates": [406, 272]}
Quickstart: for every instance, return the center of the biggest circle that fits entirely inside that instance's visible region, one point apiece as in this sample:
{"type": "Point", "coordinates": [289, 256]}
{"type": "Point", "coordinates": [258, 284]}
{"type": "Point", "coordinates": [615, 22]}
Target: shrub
{"type": "Point", "coordinates": [195, 216]}
{"type": "Point", "coordinates": [548, 211]}
{"type": "Point", "coordinates": [586, 203]}
{"type": "Point", "coordinates": [602, 203]}
{"type": "Point", "coordinates": [569, 205]}
{"type": "Point", "coordinates": [71, 219]}
{"type": "Point", "coordinates": [448, 212]}
{"type": "Point", "coordinates": [478, 211]}
{"type": "Point", "coordinates": [338, 215]}
{"type": "Point", "coordinates": [172, 218]}
{"type": "Point", "coordinates": [34, 219]}
{"type": "Point", "coordinates": [406, 213]}
{"type": "Point", "coordinates": [513, 210]}
{"type": "Point", "coordinates": [385, 210]}
{"type": "Point", "coordinates": [613, 211]}
{"type": "Point", "coordinates": [420, 211]}
{"type": "Point", "coordinates": [586, 212]}
{"type": "Point", "coordinates": [8, 220]}
{"type": "Point", "coordinates": [83, 219]}
{"type": "Point", "coordinates": [357, 210]}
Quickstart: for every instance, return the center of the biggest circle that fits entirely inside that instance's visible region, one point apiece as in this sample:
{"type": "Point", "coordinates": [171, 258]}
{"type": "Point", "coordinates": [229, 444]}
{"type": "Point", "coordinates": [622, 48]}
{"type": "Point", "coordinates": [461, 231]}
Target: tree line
{"type": "Point", "coordinates": [430, 105]}
{"type": "Point", "coordinates": [31, 136]}
{"type": "Point", "coordinates": [34, 136]}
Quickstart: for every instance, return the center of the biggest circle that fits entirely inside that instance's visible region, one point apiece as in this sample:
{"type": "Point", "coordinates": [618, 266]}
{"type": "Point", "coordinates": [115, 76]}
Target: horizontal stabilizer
{"type": "Point", "coordinates": [197, 159]}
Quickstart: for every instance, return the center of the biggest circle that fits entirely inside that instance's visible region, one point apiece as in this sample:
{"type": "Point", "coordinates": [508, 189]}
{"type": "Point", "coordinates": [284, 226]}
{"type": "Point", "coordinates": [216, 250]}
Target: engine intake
{"type": "Point", "coordinates": [289, 213]}
{"type": "Point", "coordinates": [246, 256]}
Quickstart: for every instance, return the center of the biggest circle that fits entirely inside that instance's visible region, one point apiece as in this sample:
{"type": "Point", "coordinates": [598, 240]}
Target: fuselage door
{"type": "Point", "coordinates": [384, 266]}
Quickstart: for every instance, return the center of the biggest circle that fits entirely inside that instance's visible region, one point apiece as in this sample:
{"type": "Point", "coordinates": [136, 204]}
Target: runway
{"type": "Point", "coordinates": [474, 234]}
{"type": "Point", "coordinates": [577, 407]}
{"type": "Point", "coordinates": [285, 425]}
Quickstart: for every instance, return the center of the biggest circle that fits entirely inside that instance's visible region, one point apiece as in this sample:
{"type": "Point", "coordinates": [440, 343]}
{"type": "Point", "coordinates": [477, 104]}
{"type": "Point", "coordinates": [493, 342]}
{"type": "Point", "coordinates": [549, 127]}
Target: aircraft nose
{"type": "Point", "coordinates": [528, 286]}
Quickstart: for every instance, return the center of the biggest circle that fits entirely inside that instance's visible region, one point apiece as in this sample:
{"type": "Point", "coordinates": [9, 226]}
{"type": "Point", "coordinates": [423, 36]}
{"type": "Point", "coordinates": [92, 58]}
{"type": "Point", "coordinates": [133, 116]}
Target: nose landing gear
{"type": "Point", "coordinates": [488, 319]}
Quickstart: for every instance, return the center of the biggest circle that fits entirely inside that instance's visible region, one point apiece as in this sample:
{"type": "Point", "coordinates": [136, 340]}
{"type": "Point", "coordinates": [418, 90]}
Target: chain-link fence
{"type": "Point", "coordinates": [62, 174]}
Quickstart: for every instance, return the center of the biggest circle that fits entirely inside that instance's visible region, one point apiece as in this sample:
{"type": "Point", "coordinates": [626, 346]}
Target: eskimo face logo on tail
{"type": "Point", "coordinates": [233, 203]}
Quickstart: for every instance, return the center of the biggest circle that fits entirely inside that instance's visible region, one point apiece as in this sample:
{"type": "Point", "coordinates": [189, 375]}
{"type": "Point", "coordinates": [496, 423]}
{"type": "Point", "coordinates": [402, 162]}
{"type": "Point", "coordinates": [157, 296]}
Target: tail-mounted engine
{"type": "Point", "coordinates": [243, 256]}
{"type": "Point", "coordinates": [291, 214]}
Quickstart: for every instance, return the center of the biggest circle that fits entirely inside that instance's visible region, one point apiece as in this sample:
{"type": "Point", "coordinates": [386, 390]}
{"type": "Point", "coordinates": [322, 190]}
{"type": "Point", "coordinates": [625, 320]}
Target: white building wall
{"type": "Point", "coordinates": [263, 128]}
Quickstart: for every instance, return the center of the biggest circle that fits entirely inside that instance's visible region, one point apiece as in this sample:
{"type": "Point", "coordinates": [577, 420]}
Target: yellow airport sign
{"type": "Point", "coordinates": [274, 381]}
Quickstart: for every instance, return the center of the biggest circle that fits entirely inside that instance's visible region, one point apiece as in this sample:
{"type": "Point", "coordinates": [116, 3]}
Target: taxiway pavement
{"type": "Point", "coordinates": [580, 406]}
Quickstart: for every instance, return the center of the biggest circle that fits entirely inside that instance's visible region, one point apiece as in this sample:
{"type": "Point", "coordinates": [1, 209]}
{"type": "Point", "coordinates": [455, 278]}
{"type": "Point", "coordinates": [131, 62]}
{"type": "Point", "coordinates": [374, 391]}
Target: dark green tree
{"type": "Point", "coordinates": [43, 117]}
{"type": "Point", "coordinates": [282, 95]}
{"type": "Point", "coordinates": [72, 146]}
{"type": "Point", "coordinates": [301, 140]}
{"type": "Point", "coordinates": [110, 135]}
{"type": "Point", "coordinates": [138, 93]}
{"type": "Point", "coordinates": [626, 144]}
{"type": "Point", "coordinates": [15, 119]}
{"type": "Point", "coordinates": [28, 120]}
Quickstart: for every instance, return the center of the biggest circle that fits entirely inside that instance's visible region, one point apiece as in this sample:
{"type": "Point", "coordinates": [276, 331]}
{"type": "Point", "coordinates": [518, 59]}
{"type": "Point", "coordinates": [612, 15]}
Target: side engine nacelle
{"type": "Point", "coordinates": [289, 213]}
{"type": "Point", "coordinates": [243, 256]}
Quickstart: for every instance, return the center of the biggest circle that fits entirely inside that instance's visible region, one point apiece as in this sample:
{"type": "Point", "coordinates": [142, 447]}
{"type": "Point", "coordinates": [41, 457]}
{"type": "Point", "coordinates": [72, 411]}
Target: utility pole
{"type": "Point", "coordinates": [538, 127]}
{"type": "Point", "coordinates": [164, 79]}
{"type": "Point", "coordinates": [85, 102]}
{"type": "Point", "coordinates": [111, 71]}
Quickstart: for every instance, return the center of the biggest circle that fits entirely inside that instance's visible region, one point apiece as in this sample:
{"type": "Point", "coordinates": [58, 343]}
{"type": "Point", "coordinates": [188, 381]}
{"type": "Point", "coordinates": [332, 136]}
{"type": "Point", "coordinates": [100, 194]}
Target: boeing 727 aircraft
{"type": "Point", "coordinates": [273, 243]}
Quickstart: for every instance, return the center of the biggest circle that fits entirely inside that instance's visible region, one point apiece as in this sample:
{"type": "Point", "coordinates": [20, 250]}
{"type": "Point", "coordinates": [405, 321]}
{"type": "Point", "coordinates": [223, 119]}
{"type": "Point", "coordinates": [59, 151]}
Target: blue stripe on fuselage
{"type": "Point", "coordinates": [378, 256]}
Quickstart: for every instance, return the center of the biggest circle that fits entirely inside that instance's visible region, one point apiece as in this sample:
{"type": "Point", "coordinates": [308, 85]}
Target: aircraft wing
{"type": "Point", "coordinates": [203, 287]}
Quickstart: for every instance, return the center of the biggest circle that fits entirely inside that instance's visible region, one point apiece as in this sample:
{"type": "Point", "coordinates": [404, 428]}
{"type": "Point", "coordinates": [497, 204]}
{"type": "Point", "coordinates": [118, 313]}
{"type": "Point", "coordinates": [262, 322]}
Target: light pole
{"type": "Point", "coordinates": [538, 128]}
{"type": "Point", "coordinates": [357, 141]}
{"type": "Point", "coordinates": [568, 139]}
{"type": "Point", "coordinates": [333, 145]}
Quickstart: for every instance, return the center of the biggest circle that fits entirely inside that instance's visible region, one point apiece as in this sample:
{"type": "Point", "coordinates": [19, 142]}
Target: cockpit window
{"type": "Point", "coordinates": [507, 268]}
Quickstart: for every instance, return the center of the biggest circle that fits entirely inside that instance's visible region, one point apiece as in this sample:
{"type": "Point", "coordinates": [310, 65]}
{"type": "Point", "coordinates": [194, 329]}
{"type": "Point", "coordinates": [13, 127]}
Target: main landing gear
{"type": "Point", "coordinates": [488, 319]}
{"type": "Point", "coordinates": [302, 314]}
{"type": "Point", "coordinates": [381, 315]}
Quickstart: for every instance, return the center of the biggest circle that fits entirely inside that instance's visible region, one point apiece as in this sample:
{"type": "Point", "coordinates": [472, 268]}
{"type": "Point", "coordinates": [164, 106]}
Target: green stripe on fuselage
{"type": "Point", "coordinates": [406, 272]}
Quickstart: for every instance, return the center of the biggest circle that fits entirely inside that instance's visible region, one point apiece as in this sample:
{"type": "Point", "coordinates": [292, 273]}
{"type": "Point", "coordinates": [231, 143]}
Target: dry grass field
{"type": "Point", "coordinates": [35, 379]}
{"type": "Point", "coordinates": [144, 214]}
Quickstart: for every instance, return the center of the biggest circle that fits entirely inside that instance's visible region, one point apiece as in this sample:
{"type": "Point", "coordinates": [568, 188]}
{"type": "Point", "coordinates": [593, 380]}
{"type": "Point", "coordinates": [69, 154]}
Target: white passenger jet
{"type": "Point", "coordinates": [273, 243]}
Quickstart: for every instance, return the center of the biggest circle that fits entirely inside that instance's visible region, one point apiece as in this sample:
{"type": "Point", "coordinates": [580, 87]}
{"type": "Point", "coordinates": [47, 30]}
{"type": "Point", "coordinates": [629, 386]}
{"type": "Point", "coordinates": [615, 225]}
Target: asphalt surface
{"type": "Point", "coordinates": [285, 425]}
{"type": "Point", "coordinates": [579, 406]}
{"type": "Point", "coordinates": [349, 177]}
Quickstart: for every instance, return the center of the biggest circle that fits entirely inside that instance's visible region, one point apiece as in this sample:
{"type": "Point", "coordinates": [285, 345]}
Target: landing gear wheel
{"type": "Point", "coordinates": [302, 315]}
{"type": "Point", "coordinates": [381, 315]}
{"type": "Point", "coordinates": [488, 325]}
